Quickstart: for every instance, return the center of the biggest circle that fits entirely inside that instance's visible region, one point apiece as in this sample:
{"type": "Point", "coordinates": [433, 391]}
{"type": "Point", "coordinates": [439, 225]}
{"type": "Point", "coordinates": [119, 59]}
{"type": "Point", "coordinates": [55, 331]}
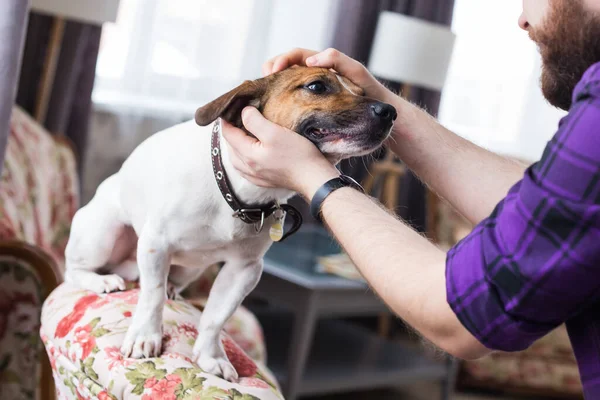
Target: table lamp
{"type": "Point", "coordinates": [87, 11]}
{"type": "Point", "coordinates": [411, 51]}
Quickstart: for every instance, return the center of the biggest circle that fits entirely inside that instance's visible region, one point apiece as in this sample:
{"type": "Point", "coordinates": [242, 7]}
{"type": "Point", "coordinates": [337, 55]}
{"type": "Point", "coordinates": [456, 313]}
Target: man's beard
{"type": "Point", "coordinates": [569, 43]}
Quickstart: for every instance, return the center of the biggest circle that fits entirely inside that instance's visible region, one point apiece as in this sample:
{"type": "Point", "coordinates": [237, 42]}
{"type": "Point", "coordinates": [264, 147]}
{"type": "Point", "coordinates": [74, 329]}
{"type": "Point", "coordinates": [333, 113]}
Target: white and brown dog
{"type": "Point", "coordinates": [166, 200]}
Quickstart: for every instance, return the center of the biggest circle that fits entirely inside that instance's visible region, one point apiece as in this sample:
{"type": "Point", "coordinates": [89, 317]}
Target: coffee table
{"type": "Point", "coordinates": [310, 350]}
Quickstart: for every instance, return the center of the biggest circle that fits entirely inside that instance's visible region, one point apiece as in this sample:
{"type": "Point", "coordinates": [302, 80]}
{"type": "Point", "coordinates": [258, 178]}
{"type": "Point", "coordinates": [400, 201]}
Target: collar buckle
{"type": "Point", "coordinates": [242, 213]}
{"type": "Point", "coordinates": [246, 215]}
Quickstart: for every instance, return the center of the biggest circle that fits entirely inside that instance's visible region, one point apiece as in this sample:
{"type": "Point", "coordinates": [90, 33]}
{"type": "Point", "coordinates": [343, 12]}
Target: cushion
{"type": "Point", "coordinates": [83, 331]}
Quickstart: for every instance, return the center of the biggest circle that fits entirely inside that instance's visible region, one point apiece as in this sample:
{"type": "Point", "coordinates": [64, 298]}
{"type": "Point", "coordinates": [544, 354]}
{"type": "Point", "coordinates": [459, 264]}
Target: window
{"type": "Point", "coordinates": [172, 55]}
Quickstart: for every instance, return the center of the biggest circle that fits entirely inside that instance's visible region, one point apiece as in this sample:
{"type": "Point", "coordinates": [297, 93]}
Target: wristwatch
{"type": "Point", "coordinates": [328, 188]}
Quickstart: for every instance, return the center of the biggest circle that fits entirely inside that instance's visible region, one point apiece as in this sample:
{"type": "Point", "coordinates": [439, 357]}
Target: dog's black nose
{"type": "Point", "coordinates": [384, 111]}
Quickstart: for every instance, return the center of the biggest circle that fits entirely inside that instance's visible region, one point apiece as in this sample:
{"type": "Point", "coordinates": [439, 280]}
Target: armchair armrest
{"type": "Point", "coordinates": [27, 276]}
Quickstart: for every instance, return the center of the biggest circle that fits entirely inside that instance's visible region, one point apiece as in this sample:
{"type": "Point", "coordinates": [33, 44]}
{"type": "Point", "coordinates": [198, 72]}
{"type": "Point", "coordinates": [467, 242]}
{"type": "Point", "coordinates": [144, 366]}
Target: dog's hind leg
{"type": "Point", "coordinates": [180, 278]}
{"type": "Point", "coordinates": [95, 231]}
{"type": "Point", "coordinates": [234, 282]}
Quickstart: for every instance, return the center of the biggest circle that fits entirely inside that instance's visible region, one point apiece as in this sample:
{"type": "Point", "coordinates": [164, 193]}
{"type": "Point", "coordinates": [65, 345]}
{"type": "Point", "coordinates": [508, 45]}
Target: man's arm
{"type": "Point", "coordinates": [526, 269]}
{"type": "Point", "coordinates": [508, 283]}
{"type": "Point", "coordinates": [402, 267]}
{"type": "Point", "coordinates": [472, 179]}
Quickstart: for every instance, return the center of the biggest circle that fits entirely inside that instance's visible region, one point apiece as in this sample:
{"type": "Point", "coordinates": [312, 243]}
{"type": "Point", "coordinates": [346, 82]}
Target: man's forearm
{"type": "Point", "coordinates": [471, 178]}
{"type": "Point", "coordinates": [404, 268]}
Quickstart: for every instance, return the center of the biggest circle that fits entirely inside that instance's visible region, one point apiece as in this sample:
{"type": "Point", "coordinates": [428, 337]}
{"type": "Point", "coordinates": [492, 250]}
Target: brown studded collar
{"type": "Point", "coordinates": [250, 214]}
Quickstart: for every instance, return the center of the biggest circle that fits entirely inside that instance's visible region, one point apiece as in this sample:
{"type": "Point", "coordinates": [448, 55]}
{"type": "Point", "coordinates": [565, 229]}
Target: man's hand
{"type": "Point", "coordinates": [277, 157]}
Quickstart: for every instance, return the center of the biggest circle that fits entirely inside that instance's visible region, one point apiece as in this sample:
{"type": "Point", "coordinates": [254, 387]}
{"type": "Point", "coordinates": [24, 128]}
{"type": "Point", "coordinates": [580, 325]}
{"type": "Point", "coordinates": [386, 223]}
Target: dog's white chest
{"type": "Point", "coordinates": [208, 244]}
{"type": "Point", "coordinates": [204, 234]}
{"type": "Point", "coordinates": [169, 181]}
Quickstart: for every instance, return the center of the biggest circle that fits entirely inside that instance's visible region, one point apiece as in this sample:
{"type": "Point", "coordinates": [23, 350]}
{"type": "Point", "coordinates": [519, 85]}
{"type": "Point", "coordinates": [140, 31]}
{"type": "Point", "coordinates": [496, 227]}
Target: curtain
{"type": "Point", "coordinates": [70, 100]}
{"type": "Point", "coordinates": [357, 22]}
{"type": "Point", "coordinates": [13, 17]}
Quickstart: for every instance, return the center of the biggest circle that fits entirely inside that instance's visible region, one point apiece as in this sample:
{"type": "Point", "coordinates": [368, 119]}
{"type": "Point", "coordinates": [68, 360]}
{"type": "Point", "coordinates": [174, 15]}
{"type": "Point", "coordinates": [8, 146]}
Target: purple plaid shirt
{"type": "Point", "coordinates": [534, 264]}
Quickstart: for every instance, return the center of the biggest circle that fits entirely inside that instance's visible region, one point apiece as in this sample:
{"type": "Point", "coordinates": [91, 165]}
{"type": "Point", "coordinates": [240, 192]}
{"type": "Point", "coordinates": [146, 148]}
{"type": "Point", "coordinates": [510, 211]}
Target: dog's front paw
{"type": "Point", "coordinates": [142, 343]}
{"type": "Point", "coordinates": [211, 358]}
{"type": "Point", "coordinates": [218, 366]}
{"type": "Point", "coordinates": [108, 284]}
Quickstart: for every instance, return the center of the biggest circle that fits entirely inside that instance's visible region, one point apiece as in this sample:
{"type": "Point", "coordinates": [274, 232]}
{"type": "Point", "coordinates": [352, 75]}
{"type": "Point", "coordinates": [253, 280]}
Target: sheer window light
{"type": "Point", "coordinates": [494, 70]}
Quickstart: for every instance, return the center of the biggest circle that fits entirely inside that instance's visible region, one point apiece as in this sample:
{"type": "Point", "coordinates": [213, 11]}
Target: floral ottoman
{"type": "Point", "coordinates": [83, 331]}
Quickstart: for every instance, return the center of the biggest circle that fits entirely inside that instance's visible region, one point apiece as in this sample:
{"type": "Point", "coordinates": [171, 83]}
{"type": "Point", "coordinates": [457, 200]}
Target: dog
{"type": "Point", "coordinates": [165, 204]}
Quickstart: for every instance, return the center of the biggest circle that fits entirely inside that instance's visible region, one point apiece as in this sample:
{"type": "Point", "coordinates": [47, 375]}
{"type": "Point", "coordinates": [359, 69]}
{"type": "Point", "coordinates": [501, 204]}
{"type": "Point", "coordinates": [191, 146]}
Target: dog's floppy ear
{"type": "Point", "coordinates": [230, 105]}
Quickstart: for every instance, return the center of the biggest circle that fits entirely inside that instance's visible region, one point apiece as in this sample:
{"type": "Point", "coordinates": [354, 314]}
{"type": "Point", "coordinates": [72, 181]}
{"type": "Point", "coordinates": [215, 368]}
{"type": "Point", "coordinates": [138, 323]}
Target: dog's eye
{"type": "Point", "coordinates": [317, 87]}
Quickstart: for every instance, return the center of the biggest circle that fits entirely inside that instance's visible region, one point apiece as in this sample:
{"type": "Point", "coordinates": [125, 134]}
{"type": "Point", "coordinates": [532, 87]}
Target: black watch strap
{"type": "Point", "coordinates": [328, 188]}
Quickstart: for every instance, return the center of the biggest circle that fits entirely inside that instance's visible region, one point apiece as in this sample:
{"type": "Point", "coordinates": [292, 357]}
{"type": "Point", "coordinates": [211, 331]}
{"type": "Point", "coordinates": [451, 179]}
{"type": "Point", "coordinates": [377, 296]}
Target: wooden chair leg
{"type": "Point", "coordinates": [49, 70]}
{"type": "Point", "coordinates": [432, 222]}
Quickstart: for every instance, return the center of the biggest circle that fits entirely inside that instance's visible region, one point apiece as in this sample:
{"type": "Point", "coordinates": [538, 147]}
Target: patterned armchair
{"type": "Point", "coordinates": [37, 199]}
{"type": "Point", "coordinates": [82, 331]}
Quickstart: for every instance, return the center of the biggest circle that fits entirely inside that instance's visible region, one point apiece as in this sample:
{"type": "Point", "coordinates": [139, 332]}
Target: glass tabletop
{"type": "Point", "coordinates": [296, 259]}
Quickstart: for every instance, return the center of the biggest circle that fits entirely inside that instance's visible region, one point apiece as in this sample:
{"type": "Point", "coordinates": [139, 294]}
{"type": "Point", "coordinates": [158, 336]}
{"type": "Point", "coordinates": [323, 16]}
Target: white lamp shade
{"type": "Point", "coordinates": [411, 51]}
{"type": "Point", "coordinates": [90, 11]}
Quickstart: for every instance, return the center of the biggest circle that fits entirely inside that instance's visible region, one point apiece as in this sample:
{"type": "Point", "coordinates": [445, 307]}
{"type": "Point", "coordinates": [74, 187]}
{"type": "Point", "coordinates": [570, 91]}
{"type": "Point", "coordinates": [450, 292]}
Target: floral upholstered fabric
{"type": "Point", "coordinates": [20, 304]}
{"type": "Point", "coordinates": [83, 331]}
{"type": "Point", "coordinates": [38, 188]}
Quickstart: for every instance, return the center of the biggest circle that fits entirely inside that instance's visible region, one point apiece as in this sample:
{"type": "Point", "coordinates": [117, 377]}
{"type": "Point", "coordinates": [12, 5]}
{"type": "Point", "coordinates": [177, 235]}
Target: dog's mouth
{"type": "Point", "coordinates": [329, 133]}
{"type": "Point", "coordinates": [345, 136]}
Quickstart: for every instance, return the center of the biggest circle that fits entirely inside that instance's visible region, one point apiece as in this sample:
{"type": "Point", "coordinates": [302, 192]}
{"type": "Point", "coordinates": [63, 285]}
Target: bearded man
{"type": "Point", "coordinates": [532, 262]}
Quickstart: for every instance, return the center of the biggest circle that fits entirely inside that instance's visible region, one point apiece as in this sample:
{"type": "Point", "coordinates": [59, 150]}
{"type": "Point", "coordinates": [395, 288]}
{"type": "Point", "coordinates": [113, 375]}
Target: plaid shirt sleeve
{"type": "Point", "coordinates": [534, 263]}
